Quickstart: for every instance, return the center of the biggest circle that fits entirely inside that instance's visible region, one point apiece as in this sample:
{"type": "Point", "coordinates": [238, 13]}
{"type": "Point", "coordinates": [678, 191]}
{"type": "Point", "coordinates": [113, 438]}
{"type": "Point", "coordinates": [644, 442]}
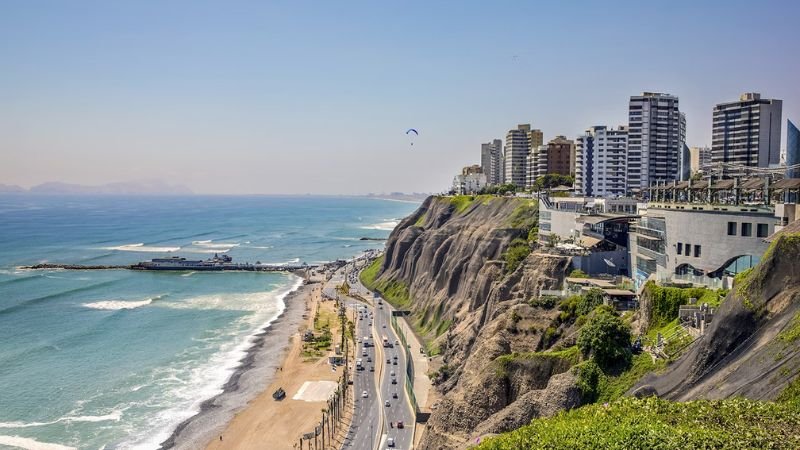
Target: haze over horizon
{"type": "Point", "coordinates": [287, 98]}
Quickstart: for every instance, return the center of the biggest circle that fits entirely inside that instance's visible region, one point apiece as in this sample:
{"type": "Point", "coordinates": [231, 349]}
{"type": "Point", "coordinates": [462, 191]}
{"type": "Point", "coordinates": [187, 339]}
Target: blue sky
{"type": "Point", "coordinates": [297, 97]}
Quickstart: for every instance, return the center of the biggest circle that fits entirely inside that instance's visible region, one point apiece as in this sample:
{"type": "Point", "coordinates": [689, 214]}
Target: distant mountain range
{"type": "Point", "coordinates": [153, 187]}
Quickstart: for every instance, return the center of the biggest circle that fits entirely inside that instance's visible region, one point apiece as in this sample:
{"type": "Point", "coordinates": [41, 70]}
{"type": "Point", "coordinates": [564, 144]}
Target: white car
{"type": "Point", "coordinates": [390, 442]}
{"type": "Point", "coordinates": [364, 394]}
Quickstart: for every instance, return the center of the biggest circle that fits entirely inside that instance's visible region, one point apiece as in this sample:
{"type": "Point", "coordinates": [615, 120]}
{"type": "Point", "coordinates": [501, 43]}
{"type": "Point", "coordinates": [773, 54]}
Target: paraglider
{"type": "Point", "coordinates": [411, 130]}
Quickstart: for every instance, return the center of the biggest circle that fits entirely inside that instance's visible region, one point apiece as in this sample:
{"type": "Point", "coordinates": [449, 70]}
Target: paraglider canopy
{"type": "Point", "coordinates": [409, 133]}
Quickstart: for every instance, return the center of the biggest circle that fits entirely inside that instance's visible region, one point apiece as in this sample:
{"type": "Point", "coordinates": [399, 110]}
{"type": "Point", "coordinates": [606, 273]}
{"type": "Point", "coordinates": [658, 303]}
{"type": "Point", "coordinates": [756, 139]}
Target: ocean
{"type": "Point", "coordinates": [116, 358]}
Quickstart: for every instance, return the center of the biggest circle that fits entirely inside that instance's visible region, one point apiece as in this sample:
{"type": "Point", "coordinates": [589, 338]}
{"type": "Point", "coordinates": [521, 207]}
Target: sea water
{"type": "Point", "coordinates": [117, 358]}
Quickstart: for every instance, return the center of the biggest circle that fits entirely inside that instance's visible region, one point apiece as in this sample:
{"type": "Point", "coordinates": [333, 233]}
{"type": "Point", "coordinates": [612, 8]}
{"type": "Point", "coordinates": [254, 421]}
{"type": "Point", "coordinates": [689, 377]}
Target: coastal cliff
{"type": "Point", "coordinates": [465, 271]}
{"type": "Point", "coordinates": [752, 347]}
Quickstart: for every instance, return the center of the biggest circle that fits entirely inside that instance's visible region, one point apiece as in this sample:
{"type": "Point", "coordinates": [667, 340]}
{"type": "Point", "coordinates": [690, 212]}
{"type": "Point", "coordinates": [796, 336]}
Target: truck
{"type": "Point", "coordinates": [386, 343]}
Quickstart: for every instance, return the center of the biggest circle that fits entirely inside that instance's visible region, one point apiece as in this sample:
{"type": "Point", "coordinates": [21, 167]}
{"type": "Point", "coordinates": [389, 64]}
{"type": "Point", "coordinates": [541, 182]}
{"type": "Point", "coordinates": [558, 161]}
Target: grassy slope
{"type": "Point", "coordinates": [653, 423]}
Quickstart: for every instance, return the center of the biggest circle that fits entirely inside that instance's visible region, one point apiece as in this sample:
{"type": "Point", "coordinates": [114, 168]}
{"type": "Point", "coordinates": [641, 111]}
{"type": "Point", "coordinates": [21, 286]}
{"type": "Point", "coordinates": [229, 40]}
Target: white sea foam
{"type": "Point", "coordinates": [31, 444]}
{"type": "Point", "coordinates": [115, 305]}
{"type": "Point", "coordinates": [283, 263]}
{"type": "Point", "coordinates": [112, 416]}
{"type": "Point", "coordinates": [140, 247]}
{"type": "Point", "coordinates": [388, 225]}
{"type": "Point", "coordinates": [212, 244]}
{"type": "Point", "coordinates": [189, 389]}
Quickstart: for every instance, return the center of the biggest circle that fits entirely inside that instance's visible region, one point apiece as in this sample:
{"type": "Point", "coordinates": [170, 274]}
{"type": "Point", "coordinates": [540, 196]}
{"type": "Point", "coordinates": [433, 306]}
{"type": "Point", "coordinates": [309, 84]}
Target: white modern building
{"type": "Point", "coordinates": [470, 181]}
{"type": "Point", "coordinates": [492, 161]}
{"type": "Point", "coordinates": [520, 143]}
{"type": "Point", "coordinates": [601, 162]}
{"type": "Point", "coordinates": [656, 136]}
{"type": "Point", "coordinates": [516, 155]}
{"type": "Point", "coordinates": [746, 133]}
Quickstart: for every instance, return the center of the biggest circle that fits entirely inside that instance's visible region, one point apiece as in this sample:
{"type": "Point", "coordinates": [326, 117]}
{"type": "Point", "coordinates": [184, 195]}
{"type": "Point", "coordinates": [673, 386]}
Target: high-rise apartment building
{"type": "Point", "coordinates": [792, 150]}
{"type": "Point", "coordinates": [560, 156]}
{"type": "Point", "coordinates": [492, 161]}
{"type": "Point", "coordinates": [656, 134]}
{"type": "Point", "coordinates": [746, 133]}
{"type": "Point", "coordinates": [700, 159]}
{"type": "Point", "coordinates": [600, 161]}
{"type": "Point", "coordinates": [518, 146]}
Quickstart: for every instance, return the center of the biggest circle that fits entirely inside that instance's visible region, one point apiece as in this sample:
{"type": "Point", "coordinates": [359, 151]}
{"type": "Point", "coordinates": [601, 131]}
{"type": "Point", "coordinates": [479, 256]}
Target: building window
{"type": "Point", "coordinates": [696, 251]}
{"type": "Point", "coordinates": [731, 228]}
{"type": "Point", "coordinates": [688, 249]}
{"type": "Point", "coordinates": [680, 248]}
{"type": "Point", "coordinates": [762, 230]}
{"type": "Point", "coordinates": [747, 229]}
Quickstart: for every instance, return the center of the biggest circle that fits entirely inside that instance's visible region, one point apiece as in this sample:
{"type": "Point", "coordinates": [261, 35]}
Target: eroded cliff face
{"type": "Point", "coordinates": [452, 263]}
{"type": "Point", "coordinates": [752, 347]}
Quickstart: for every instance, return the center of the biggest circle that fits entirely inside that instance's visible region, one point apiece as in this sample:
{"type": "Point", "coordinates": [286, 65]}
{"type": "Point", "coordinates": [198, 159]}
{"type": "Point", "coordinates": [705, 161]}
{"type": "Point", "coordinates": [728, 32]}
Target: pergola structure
{"type": "Point", "coordinates": [755, 190]}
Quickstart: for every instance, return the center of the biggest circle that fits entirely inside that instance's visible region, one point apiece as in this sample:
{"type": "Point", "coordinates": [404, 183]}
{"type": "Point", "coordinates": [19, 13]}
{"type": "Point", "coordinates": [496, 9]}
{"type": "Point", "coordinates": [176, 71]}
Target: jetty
{"type": "Point", "coordinates": [176, 263]}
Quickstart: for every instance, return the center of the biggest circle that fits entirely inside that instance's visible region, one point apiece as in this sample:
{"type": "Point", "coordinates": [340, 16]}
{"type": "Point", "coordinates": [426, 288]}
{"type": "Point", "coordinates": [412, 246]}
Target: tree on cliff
{"type": "Point", "coordinates": [606, 338]}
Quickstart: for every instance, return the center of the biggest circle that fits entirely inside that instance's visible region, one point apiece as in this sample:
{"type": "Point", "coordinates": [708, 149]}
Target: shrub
{"type": "Point", "coordinates": [589, 301]}
{"type": "Point", "coordinates": [588, 375]}
{"type": "Point", "coordinates": [517, 251]}
{"type": "Point", "coordinates": [578, 273]}
{"type": "Point", "coordinates": [606, 338]}
{"type": "Point", "coordinates": [545, 302]}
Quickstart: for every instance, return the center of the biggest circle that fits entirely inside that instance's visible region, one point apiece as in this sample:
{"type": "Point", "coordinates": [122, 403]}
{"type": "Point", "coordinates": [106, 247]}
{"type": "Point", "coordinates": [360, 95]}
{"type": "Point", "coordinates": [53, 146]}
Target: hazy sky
{"type": "Point", "coordinates": [296, 97]}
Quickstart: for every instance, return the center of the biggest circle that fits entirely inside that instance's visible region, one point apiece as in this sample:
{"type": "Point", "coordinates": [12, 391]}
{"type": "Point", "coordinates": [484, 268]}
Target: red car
{"type": "Point", "coordinates": [400, 424]}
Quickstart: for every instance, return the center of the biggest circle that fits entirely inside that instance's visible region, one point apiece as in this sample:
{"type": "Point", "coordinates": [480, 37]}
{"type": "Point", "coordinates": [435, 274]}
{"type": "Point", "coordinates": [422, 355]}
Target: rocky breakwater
{"type": "Point", "coordinates": [467, 270]}
{"type": "Point", "coordinates": [752, 347]}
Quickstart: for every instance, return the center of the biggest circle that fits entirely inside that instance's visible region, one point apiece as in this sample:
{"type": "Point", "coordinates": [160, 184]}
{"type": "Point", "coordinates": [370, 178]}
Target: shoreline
{"type": "Point", "coordinates": [253, 375]}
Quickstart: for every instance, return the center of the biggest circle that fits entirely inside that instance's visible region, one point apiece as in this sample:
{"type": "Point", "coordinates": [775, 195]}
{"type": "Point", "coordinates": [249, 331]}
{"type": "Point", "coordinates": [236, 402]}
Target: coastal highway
{"type": "Point", "coordinates": [393, 379]}
{"type": "Point", "coordinates": [399, 409]}
{"type": "Point", "coordinates": [366, 424]}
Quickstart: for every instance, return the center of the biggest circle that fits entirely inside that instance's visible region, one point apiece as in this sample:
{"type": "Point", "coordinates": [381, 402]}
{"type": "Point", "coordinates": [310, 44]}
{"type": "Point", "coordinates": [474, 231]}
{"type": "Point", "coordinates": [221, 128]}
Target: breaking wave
{"type": "Point", "coordinates": [140, 247]}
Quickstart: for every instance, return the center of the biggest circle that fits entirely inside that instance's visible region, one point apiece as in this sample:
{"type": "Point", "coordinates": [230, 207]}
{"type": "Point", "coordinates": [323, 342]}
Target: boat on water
{"type": "Point", "coordinates": [217, 262]}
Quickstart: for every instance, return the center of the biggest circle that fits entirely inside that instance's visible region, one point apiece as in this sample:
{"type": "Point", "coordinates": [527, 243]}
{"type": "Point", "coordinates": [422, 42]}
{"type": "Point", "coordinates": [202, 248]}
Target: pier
{"type": "Point", "coordinates": [239, 267]}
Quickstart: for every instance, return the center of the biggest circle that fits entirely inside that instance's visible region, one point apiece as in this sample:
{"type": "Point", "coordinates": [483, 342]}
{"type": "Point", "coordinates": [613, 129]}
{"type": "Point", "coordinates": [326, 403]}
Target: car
{"type": "Point", "coordinates": [394, 380]}
{"type": "Point", "coordinates": [369, 359]}
{"type": "Point", "coordinates": [372, 368]}
{"type": "Point", "coordinates": [394, 394]}
{"type": "Point", "coordinates": [400, 424]}
{"type": "Point", "coordinates": [384, 325]}
{"type": "Point", "coordinates": [395, 357]}
{"type": "Point", "coordinates": [390, 442]}
{"type": "Point", "coordinates": [364, 394]}
{"type": "Point", "coordinates": [392, 374]}
{"type": "Point", "coordinates": [394, 362]}
{"type": "Point", "coordinates": [396, 342]}
{"type": "Point", "coordinates": [386, 403]}
{"type": "Point", "coordinates": [364, 353]}
{"type": "Point", "coordinates": [388, 360]}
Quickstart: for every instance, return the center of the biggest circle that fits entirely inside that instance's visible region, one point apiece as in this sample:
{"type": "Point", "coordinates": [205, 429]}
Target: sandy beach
{"type": "Point", "coordinates": [278, 425]}
{"type": "Point", "coordinates": [252, 377]}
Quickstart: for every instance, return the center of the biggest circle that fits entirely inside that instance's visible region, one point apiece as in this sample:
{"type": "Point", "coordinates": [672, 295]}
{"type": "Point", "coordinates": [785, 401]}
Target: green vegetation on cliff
{"type": "Point", "coordinates": [606, 338]}
{"type": "Point", "coordinates": [517, 251]}
{"type": "Point", "coordinates": [666, 301]}
{"type": "Point", "coordinates": [395, 292]}
{"type": "Point", "coordinates": [570, 356]}
{"type": "Point", "coordinates": [370, 273]}
{"type": "Point", "coordinates": [653, 423]}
